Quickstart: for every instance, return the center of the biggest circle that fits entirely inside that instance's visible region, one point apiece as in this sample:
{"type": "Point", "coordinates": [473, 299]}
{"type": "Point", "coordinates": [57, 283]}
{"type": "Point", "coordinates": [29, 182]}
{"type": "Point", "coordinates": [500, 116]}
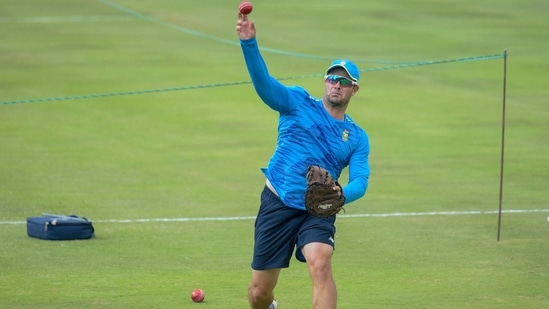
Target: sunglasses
{"type": "Point", "coordinates": [343, 81]}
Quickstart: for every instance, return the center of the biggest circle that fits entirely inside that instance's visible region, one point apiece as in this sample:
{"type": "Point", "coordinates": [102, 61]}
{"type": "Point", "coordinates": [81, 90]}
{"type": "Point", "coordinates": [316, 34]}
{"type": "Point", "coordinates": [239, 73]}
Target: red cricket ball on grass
{"type": "Point", "coordinates": [245, 7]}
{"type": "Point", "coordinates": [198, 296]}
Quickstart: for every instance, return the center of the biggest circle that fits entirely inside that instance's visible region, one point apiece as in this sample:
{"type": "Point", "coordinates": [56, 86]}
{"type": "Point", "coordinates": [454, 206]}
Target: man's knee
{"type": "Point", "coordinates": [319, 260]}
{"type": "Point", "coordinates": [259, 293]}
{"type": "Point", "coordinates": [262, 286]}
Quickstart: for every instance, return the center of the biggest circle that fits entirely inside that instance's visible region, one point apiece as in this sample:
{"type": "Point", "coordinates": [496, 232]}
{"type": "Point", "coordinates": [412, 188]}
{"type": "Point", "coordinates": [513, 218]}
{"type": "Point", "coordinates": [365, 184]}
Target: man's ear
{"type": "Point", "coordinates": [355, 89]}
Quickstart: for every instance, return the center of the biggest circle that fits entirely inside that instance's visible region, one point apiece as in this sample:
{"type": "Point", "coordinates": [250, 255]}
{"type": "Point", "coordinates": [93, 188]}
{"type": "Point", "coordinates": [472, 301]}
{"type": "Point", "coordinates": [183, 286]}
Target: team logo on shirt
{"type": "Point", "coordinates": [345, 135]}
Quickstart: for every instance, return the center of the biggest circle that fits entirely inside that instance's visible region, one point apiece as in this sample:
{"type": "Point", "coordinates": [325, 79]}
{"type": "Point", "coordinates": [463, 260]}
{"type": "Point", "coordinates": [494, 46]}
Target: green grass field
{"type": "Point", "coordinates": [128, 110]}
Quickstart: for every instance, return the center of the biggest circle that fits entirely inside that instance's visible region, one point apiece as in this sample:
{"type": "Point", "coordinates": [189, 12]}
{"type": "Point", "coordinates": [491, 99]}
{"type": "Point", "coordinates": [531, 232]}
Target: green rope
{"type": "Point", "coordinates": [115, 94]}
{"type": "Point", "coordinates": [395, 64]}
{"type": "Point", "coordinates": [233, 42]}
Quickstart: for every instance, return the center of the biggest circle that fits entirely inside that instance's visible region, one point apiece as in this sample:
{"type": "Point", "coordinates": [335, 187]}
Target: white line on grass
{"type": "Point", "coordinates": [394, 214]}
{"type": "Point", "coordinates": [66, 19]}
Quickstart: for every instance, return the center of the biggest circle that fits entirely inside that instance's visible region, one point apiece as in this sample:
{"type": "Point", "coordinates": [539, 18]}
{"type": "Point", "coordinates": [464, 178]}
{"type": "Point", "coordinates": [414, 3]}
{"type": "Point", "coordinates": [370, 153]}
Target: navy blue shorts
{"type": "Point", "coordinates": [280, 229]}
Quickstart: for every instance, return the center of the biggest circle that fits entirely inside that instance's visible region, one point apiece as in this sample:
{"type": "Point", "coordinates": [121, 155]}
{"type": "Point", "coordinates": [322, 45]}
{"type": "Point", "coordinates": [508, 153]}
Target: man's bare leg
{"type": "Point", "coordinates": [319, 261]}
{"type": "Point", "coordinates": [261, 289]}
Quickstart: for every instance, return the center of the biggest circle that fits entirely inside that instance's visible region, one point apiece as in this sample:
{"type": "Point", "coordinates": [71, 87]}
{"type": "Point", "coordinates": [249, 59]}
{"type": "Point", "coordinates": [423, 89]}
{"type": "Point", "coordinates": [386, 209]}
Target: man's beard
{"type": "Point", "coordinates": [336, 103]}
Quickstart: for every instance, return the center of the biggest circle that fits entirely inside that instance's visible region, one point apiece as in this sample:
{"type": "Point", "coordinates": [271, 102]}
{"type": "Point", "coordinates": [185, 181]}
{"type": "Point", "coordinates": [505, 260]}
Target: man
{"type": "Point", "coordinates": [311, 131]}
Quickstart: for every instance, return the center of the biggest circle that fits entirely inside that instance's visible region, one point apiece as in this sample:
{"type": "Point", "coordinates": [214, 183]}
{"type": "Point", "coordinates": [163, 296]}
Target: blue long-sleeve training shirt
{"type": "Point", "coordinates": [307, 135]}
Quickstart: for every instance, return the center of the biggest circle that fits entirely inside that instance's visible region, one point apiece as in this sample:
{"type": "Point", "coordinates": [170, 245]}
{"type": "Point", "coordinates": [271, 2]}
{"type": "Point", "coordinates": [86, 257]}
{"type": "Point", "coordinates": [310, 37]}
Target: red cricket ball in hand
{"type": "Point", "coordinates": [245, 7]}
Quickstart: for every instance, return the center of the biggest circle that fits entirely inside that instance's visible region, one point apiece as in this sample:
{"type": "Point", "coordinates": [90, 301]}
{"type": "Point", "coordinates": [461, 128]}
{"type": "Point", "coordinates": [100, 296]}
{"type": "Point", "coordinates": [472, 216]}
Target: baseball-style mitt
{"type": "Point", "coordinates": [321, 199]}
